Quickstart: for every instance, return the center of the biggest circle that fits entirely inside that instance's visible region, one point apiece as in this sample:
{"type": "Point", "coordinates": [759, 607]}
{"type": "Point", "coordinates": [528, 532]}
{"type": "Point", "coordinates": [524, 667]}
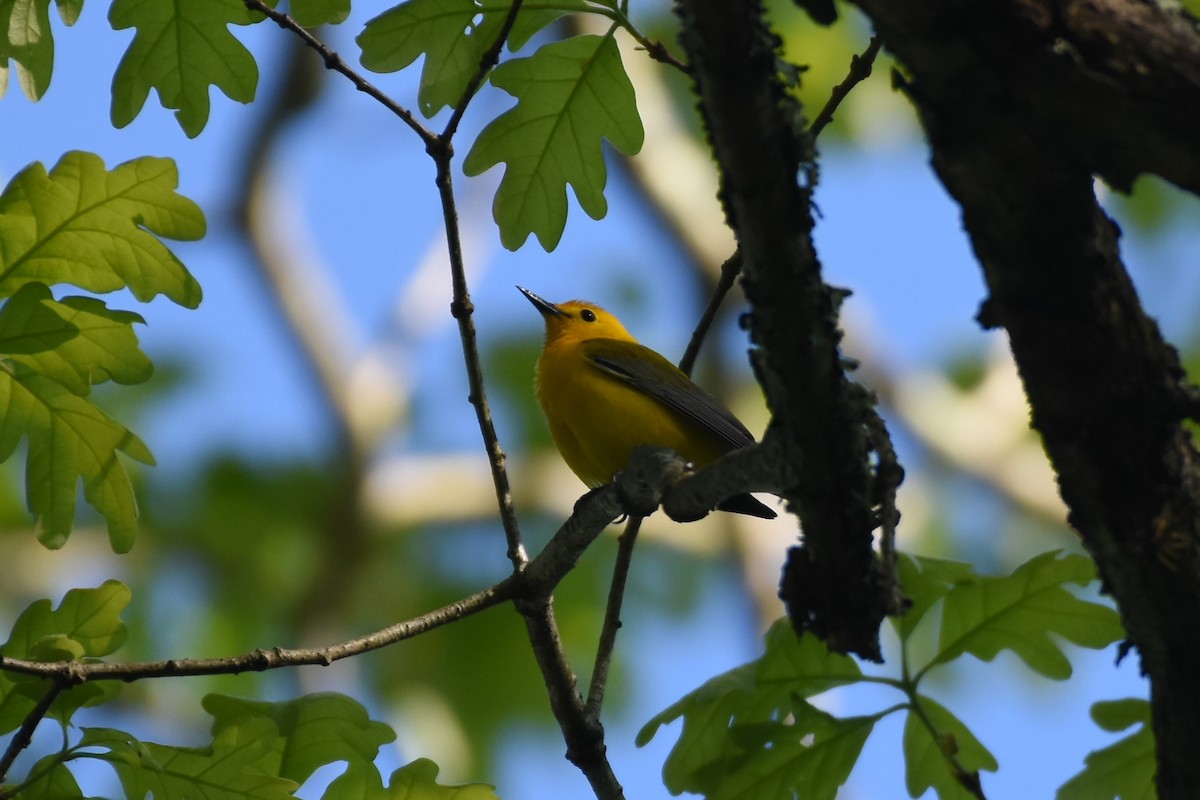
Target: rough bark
{"type": "Point", "coordinates": [833, 582]}
{"type": "Point", "coordinates": [1023, 103]}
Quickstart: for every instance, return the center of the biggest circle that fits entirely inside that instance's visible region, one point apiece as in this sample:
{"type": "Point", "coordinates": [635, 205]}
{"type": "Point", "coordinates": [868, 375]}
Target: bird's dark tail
{"type": "Point", "coordinates": [745, 504]}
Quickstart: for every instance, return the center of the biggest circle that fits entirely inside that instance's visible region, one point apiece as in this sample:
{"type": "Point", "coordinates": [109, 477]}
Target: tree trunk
{"type": "Point", "coordinates": [1023, 103]}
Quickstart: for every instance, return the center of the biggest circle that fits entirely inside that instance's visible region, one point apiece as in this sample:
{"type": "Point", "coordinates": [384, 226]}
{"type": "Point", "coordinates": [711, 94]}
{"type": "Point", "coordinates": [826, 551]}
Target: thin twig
{"type": "Point", "coordinates": [582, 733]}
{"type": "Point", "coordinates": [461, 307]}
{"type": "Point", "coordinates": [860, 70]}
{"type": "Point", "coordinates": [729, 272]}
{"type": "Point", "coordinates": [72, 672]}
{"type": "Point", "coordinates": [654, 48]}
{"type": "Point", "coordinates": [24, 734]}
{"type": "Point", "coordinates": [334, 62]}
{"type": "Point", "coordinates": [486, 62]}
{"type": "Point", "coordinates": [612, 617]}
{"type": "Point", "coordinates": [463, 311]}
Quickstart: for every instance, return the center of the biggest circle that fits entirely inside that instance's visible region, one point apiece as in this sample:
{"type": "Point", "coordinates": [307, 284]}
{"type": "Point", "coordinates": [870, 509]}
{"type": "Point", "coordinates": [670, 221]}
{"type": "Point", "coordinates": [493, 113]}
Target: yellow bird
{"type": "Point", "coordinates": [604, 394]}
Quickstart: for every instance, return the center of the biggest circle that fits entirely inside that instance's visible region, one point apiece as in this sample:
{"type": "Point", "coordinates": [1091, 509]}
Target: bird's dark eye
{"type": "Point", "coordinates": [587, 315]}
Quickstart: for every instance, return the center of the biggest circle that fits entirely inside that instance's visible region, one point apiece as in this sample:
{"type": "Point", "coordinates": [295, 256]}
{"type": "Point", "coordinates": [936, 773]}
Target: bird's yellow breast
{"type": "Point", "coordinates": [598, 420]}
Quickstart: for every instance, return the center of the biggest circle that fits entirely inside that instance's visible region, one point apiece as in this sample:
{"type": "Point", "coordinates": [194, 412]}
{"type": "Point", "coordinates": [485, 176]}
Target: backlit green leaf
{"type": "Point", "coordinates": [86, 625]}
{"type": "Point", "coordinates": [52, 781]}
{"type": "Point", "coordinates": [97, 229]}
{"type": "Point", "coordinates": [571, 95]}
{"type": "Point", "coordinates": [808, 754]}
{"type": "Point", "coordinates": [180, 49]}
{"type": "Point", "coordinates": [77, 342]}
{"type": "Point", "coordinates": [314, 730]}
{"type": "Point", "coordinates": [1125, 769]}
{"type": "Point", "coordinates": [417, 781]}
{"type": "Point", "coordinates": [944, 758]}
{"type": "Point", "coordinates": [925, 581]}
{"type": "Point", "coordinates": [27, 39]}
{"type": "Point", "coordinates": [69, 439]}
{"type": "Point", "coordinates": [733, 720]}
{"type": "Point", "coordinates": [1021, 611]}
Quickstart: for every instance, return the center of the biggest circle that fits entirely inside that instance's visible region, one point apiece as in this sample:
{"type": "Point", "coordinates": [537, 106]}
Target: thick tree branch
{"type": "Point", "coordinates": [833, 583]}
{"type": "Point", "coordinates": [1023, 103]}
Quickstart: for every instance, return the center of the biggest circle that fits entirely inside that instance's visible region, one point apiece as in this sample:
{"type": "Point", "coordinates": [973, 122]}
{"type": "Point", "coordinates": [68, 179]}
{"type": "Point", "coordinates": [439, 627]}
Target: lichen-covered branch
{"type": "Point", "coordinates": [833, 582]}
{"type": "Point", "coordinates": [1023, 104]}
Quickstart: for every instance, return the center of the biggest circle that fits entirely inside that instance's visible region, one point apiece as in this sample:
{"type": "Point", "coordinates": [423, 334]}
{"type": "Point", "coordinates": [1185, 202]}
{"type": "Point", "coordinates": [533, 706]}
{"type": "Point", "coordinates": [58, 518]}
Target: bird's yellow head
{"type": "Point", "coordinates": [577, 321]}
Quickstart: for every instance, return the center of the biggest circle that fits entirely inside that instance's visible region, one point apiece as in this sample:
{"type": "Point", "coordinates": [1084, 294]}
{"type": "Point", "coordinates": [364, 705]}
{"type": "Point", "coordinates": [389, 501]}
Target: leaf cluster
{"type": "Point", "coordinates": [756, 732]}
{"type": "Point", "coordinates": [571, 95]}
{"type": "Point", "coordinates": [85, 226]}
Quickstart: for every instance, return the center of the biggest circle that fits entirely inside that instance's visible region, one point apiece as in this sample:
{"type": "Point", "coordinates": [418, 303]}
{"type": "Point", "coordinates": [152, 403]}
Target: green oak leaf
{"type": "Point", "coordinates": [311, 13]}
{"type": "Point", "coordinates": [234, 767]}
{"type": "Point", "coordinates": [26, 39]}
{"type": "Point", "coordinates": [86, 625]}
{"type": "Point", "coordinates": [733, 720]}
{"type": "Point", "coordinates": [77, 341]}
{"type": "Point", "coordinates": [69, 439]}
{"type": "Point", "coordinates": [180, 49]}
{"type": "Point", "coordinates": [452, 35]}
{"type": "Point", "coordinates": [51, 781]}
{"type": "Point", "coordinates": [314, 730]}
{"type": "Point", "coordinates": [927, 756]}
{"type": "Point", "coordinates": [418, 781]}
{"type": "Point", "coordinates": [925, 581]}
{"type": "Point", "coordinates": [1020, 612]}
{"type": "Point", "coordinates": [570, 96]}
{"type": "Point", "coordinates": [809, 755]}
{"type": "Point", "coordinates": [89, 617]}
{"type": "Point", "coordinates": [445, 32]}
{"type": "Point", "coordinates": [97, 229]}
{"type": "Point", "coordinates": [1125, 769]}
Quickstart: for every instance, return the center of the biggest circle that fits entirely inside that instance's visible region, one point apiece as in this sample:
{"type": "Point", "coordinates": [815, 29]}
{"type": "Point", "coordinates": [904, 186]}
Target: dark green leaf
{"type": "Point", "coordinates": [928, 754]}
{"type": "Point", "coordinates": [1019, 612]}
{"type": "Point", "coordinates": [418, 781]}
{"type": "Point", "coordinates": [69, 439]}
{"type": "Point", "coordinates": [314, 730]}
{"type": "Point", "coordinates": [235, 767]}
{"type": "Point", "coordinates": [311, 13]}
{"type": "Point", "coordinates": [445, 32]}
{"type": "Point", "coordinates": [732, 723]}
{"type": "Point", "coordinates": [571, 95]}
{"type": "Point", "coordinates": [925, 581]}
{"type": "Point", "coordinates": [452, 35]}
{"type": "Point", "coordinates": [181, 49]}
{"type": "Point", "coordinates": [52, 781]}
{"type": "Point", "coordinates": [1124, 769]}
{"type": "Point", "coordinates": [803, 665]}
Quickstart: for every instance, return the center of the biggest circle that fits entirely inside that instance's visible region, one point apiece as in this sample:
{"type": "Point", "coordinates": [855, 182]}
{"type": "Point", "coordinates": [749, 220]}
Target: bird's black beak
{"type": "Point", "coordinates": [544, 306]}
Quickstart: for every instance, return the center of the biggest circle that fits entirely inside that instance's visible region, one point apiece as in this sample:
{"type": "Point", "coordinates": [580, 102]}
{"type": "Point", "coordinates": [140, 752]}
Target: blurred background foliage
{"type": "Point", "coordinates": [376, 505]}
